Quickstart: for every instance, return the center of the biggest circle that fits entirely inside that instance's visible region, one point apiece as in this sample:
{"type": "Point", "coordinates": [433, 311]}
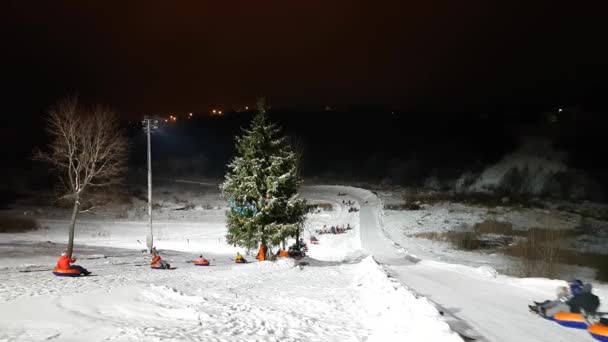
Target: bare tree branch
{"type": "Point", "coordinates": [87, 148]}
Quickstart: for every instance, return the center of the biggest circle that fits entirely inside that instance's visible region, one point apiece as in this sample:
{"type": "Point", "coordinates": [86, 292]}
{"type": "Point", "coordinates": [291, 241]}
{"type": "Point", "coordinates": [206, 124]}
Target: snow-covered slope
{"type": "Point", "coordinates": [478, 303]}
{"type": "Point", "coordinates": [125, 300]}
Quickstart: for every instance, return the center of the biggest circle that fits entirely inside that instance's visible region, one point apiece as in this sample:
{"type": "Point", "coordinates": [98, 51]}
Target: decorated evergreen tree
{"type": "Point", "coordinates": [261, 187]}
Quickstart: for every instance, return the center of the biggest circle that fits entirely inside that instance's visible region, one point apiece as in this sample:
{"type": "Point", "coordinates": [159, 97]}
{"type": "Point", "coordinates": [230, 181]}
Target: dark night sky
{"type": "Point", "coordinates": [178, 56]}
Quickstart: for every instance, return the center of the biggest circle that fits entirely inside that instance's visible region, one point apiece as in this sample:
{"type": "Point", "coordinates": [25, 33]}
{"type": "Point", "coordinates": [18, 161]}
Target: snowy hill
{"type": "Point", "coordinates": [361, 285]}
{"type": "Point", "coordinates": [125, 300]}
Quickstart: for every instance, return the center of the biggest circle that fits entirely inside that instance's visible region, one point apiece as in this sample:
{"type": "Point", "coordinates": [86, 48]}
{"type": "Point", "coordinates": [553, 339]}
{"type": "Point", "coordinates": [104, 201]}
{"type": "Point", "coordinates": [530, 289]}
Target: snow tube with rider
{"type": "Point", "coordinates": [240, 261]}
{"type": "Point", "coordinates": [599, 332]}
{"type": "Point", "coordinates": [158, 266]}
{"type": "Point", "coordinates": [69, 272]}
{"type": "Point", "coordinates": [571, 320]}
{"type": "Point", "coordinates": [201, 262]}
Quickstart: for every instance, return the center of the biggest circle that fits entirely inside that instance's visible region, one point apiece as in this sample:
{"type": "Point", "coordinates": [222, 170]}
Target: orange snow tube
{"type": "Point", "coordinates": [201, 262]}
{"type": "Point", "coordinates": [240, 261]}
{"type": "Point", "coordinates": [283, 253]}
{"type": "Point", "coordinates": [599, 332]}
{"type": "Point", "coordinates": [571, 320]}
{"type": "Point", "coordinates": [66, 272]}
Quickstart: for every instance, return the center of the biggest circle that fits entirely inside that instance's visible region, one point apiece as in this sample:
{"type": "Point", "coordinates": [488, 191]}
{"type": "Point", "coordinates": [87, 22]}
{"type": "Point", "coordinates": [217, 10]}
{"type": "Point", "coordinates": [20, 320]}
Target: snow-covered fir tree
{"type": "Point", "coordinates": [261, 187]}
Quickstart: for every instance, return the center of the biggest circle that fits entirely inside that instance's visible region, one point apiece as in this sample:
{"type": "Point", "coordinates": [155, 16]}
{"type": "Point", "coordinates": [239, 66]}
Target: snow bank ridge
{"type": "Point", "coordinates": [168, 295]}
{"type": "Point", "coordinates": [281, 263]}
{"type": "Point", "coordinates": [395, 313]}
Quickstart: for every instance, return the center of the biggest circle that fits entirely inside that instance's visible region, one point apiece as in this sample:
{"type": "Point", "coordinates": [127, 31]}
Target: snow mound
{"type": "Point", "coordinates": [164, 294]}
{"type": "Point", "coordinates": [332, 253]}
{"type": "Point", "coordinates": [487, 271]}
{"type": "Point", "coordinates": [281, 263]}
{"type": "Point", "coordinates": [396, 314]}
{"type": "Point", "coordinates": [536, 157]}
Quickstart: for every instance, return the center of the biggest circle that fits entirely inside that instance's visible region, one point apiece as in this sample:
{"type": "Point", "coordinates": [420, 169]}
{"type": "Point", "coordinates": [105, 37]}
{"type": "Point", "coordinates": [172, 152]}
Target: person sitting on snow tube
{"type": "Point", "coordinates": [584, 302]}
{"type": "Point", "coordinates": [581, 300]}
{"type": "Point", "coordinates": [64, 264]}
{"type": "Point", "coordinates": [201, 261]}
{"type": "Point", "coordinates": [157, 261]}
{"type": "Point", "coordinates": [239, 258]}
{"type": "Point", "coordinates": [549, 308]}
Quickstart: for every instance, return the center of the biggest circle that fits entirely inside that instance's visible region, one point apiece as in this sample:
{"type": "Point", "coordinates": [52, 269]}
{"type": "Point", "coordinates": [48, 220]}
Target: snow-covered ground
{"type": "Point", "coordinates": [477, 302]}
{"type": "Point", "coordinates": [365, 285]}
{"type": "Point", "coordinates": [346, 296]}
{"type": "Point", "coordinates": [424, 231]}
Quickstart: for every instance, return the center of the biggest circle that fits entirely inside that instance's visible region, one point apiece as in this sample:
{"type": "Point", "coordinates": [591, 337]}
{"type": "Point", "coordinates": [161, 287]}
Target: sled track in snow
{"type": "Point", "coordinates": [479, 307]}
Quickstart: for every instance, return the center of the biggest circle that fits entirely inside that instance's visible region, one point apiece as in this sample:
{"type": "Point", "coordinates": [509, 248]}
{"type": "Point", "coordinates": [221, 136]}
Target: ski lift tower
{"type": "Point", "coordinates": [150, 124]}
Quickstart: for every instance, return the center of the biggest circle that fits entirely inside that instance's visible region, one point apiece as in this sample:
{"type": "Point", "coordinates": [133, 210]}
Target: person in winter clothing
{"type": "Point", "coordinates": [580, 300]}
{"type": "Point", "coordinates": [200, 259]}
{"type": "Point", "coordinates": [551, 307]}
{"type": "Point", "coordinates": [585, 302]}
{"type": "Point", "coordinates": [65, 261]}
{"type": "Point", "coordinates": [576, 287]}
{"type": "Point", "coordinates": [157, 260]}
{"type": "Point", "coordinates": [262, 253]}
{"type": "Point", "coordinates": [240, 258]}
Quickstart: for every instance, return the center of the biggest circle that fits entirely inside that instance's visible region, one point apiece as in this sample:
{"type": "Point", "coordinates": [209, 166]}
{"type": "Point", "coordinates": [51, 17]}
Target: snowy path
{"type": "Point", "coordinates": [477, 303]}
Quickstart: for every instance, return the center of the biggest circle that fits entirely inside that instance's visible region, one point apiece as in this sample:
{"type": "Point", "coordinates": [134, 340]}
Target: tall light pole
{"type": "Point", "coordinates": [149, 124]}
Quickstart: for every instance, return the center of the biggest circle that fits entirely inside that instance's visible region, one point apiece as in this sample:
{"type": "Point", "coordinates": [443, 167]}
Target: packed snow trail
{"type": "Point", "coordinates": [478, 304]}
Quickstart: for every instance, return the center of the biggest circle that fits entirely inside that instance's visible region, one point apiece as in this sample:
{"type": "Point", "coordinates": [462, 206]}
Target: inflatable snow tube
{"type": "Point", "coordinates": [571, 320]}
{"type": "Point", "coordinates": [159, 266]}
{"type": "Point", "coordinates": [240, 261]}
{"type": "Point", "coordinates": [70, 272]}
{"type": "Point", "coordinates": [599, 332]}
{"type": "Point", "coordinates": [201, 262]}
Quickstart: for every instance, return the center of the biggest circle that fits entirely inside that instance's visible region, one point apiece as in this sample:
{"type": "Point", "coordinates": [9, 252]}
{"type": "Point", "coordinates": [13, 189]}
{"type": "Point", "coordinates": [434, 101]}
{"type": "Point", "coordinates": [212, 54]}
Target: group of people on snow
{"type": "Point", "coordinates": [577, 298]}
{"type": "Point", "coordinates": [337, 229]}
{"type": "Point", "coordinates": [350, 205]}
{"type": "Point", "coordinates": [66, 263]}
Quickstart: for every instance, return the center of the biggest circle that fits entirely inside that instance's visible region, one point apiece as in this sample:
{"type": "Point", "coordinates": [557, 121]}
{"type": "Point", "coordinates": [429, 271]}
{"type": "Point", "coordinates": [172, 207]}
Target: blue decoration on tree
{"type": "Point", "coordinates": [245, 210]}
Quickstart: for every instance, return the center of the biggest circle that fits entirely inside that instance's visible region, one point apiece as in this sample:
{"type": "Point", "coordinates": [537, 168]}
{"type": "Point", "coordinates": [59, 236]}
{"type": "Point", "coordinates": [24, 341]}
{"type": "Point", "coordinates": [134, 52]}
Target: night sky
{"type": "Point", "coordinates": [170, 57]}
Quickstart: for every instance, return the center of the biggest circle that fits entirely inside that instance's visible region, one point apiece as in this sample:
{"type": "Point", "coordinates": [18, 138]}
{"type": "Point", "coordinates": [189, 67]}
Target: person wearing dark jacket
{"type": "Point", "coordinates": [585, 301]}
{"type": "Point", "coordinates": [578, 300]}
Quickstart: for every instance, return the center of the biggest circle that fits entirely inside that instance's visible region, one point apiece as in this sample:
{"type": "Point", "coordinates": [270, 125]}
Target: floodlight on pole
{"type": "Point", "coordinates": [149, 125]}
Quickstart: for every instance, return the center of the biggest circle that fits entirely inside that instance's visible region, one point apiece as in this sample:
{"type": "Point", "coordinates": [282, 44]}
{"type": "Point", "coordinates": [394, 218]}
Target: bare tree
{"type": "Point", "coordinates": [87, 148]}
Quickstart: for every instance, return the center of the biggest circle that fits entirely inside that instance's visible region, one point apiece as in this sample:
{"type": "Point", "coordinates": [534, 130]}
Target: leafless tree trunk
{"type": "Point", "coordinates": [87, 148]}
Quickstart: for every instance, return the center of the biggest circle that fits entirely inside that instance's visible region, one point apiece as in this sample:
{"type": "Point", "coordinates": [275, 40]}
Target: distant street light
{"type": "Point", "coordinates": [149, 125]}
